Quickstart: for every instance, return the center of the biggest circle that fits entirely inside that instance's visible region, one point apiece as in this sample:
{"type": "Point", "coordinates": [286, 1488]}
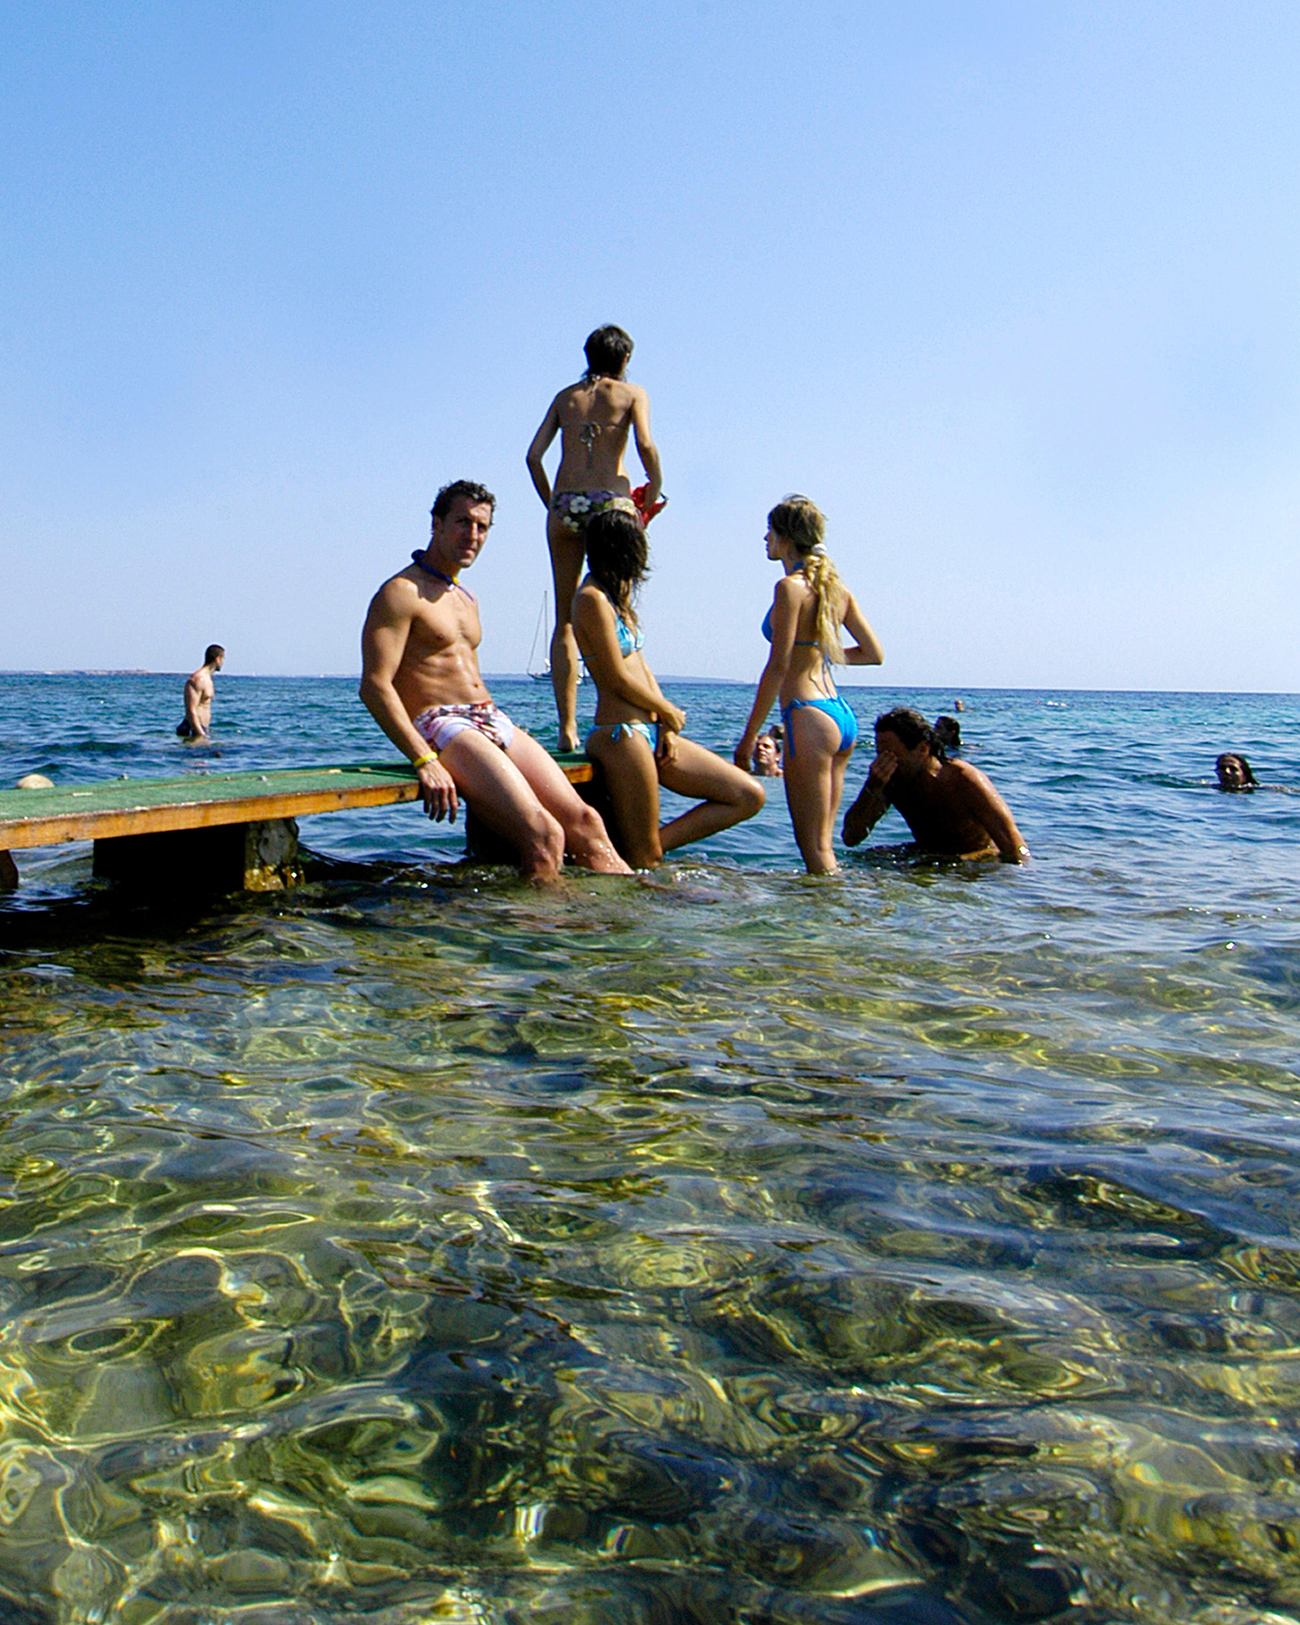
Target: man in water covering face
{"type": "Point", "coordinates": [421, 683]}
{"type": "Point", "coordinates": [950, 807]}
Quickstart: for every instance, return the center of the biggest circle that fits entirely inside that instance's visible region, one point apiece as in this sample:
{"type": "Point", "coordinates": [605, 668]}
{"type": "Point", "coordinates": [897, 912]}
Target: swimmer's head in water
{"type": "Point", "coordinates": [213, 654]}
{"type": "Point", "coordinates": [1234, 772]}
{"type": "Point", "coordinates": [767, 756]}
{"type": "Point", "coordinates": [911, 729]}
{"type": "Point", "coordinates": [947, 730]}
{"type": "Point", "coordinates": [608, 351]}
{"type": "Point", "coordinates": [616, 555]}
{"type": "Point", "coordinates": [799, 521]}
{"type": "Point", "coordinates": [471, 490]}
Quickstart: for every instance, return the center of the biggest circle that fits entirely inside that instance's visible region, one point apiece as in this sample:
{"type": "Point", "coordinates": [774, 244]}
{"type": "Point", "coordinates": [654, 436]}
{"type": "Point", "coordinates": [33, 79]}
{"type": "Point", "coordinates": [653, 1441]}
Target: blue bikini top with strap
{"type": "Point", "coordinates": [799, 643]}
{"type": "Point", "coordinates": [628, 643]}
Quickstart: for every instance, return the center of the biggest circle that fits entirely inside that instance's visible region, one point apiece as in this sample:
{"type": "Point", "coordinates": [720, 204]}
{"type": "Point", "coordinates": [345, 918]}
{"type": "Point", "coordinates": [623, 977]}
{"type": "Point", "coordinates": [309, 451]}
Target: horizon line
{"type": "Point", "coordinates": [668, 677]}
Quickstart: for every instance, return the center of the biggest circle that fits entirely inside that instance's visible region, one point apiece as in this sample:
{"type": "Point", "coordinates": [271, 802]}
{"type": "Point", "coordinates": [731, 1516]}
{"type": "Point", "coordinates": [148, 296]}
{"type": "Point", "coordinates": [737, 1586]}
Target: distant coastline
{"type": "Point", "coordinates": [846, 680]}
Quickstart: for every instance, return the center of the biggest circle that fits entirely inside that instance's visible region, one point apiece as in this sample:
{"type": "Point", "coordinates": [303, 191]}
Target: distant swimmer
{"type": "Point", "coordinates": [421, 683]}
{"type": "Point", "coordinates": [1234, 772]}
{"type": "Point", "coordinates": [766, 763]}
{"type": "Point", "coordinates": [593, 419]}
{"type": "Point", "coordinates": [197, 721]}
{"type": "Point", "coordinates": [638, 738]}
{"type": "Point", "coordinates": [947, 730]}
{"type": "Point", "coordinates": [809, 607]}
{"type": "Point", "coordinates": [950, 807]}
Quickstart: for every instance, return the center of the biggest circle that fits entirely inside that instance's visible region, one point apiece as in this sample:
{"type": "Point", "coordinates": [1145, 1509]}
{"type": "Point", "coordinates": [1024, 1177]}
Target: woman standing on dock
{"type": "Point", "coordinates": [803, 626]}
{"type": "Point", "coordinates": [593, 419]}
{"type": "Point", "coordinates": [637, 738]}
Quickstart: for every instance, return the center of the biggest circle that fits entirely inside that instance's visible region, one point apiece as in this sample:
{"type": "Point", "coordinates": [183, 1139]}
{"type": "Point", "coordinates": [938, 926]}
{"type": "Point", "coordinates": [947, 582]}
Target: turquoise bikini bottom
{"type": "Point", "coordinates": [618, 729]}
{"type": "Point", "coordinates": [837, 708]}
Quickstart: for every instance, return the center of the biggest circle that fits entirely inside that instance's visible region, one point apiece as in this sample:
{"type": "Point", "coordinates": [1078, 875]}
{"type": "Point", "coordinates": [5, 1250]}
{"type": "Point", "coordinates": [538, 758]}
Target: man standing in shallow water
{"type": "Point", "coordinates": [199, 691]}
{"type": "Point", "coordinates": [421, 683]}
{"type": "Point", "coordinates": [950, 807]}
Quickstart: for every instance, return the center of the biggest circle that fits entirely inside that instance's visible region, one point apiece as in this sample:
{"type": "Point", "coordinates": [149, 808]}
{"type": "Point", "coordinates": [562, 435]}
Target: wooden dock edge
{"type": "Point", "coordinates": [246, 843]}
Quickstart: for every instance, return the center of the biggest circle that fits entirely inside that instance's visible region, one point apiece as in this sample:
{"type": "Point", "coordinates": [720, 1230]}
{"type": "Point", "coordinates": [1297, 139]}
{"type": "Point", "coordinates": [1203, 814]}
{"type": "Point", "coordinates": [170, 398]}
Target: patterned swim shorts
{"type": "Point", "coordinates": [441, 723]}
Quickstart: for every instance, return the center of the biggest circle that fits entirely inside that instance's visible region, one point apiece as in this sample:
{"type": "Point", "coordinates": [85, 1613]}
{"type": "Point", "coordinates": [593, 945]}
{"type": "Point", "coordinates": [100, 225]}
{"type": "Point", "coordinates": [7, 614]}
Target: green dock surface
{"type": "Point", "coordinates": [85, 812]}
{"type": "Point", "coordinates": [116, 807]}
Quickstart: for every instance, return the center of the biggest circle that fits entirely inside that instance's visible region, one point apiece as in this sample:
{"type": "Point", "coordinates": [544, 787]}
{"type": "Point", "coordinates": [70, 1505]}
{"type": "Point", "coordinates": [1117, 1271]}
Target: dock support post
{"type": "Point", "coordinates": [261, 856]}
{"type": "Point", "coordinates": [8, 872]}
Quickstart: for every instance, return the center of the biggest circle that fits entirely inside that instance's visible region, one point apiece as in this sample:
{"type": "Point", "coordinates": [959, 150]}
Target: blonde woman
{"type": "Point", "coordinates": [810, 606]}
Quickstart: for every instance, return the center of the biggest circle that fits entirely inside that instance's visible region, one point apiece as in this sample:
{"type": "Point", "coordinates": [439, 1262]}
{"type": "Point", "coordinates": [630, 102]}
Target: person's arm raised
{"type": "Point", "coordinates": [383, 643]}
{"type": "Point", "coordinates": [646, 449]}
{"type": "Point", "coordinates": [872, 801]}
{"type": "Point", "coordinates": [541, 444]}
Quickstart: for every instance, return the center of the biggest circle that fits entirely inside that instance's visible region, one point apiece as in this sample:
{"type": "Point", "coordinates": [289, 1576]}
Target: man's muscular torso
{"type": "Point", "coordinates": [439, 664]}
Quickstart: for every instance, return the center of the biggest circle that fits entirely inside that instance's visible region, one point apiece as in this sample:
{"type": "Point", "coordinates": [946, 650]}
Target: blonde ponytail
{"type": "Point", "coordinates": [824, 579]}
{"type": "Point", "coordinates": [801, 522]}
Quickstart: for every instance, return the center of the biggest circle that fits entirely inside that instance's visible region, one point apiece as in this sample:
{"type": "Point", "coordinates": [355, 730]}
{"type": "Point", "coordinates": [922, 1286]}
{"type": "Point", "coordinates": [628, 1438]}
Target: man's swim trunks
{"type": "Point", "coordinates": [574, 508]}
{"type": "Point", "coordinates": [441, 723]}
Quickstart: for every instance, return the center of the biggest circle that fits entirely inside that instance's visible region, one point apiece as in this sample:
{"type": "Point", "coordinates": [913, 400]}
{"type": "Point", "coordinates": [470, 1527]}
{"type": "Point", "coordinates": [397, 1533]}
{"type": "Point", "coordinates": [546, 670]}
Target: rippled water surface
{"type": "Point", "coordinates": [720, 1245]}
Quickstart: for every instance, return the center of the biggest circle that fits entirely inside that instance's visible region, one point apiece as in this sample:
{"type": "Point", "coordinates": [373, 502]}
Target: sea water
{"type": "Point", "coordinates": [719, 1244]}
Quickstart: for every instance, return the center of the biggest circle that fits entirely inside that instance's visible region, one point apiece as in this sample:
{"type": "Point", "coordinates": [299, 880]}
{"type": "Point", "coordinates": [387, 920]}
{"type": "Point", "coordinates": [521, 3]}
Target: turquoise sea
{"type": "Point", "coordinates": [718, 1245]}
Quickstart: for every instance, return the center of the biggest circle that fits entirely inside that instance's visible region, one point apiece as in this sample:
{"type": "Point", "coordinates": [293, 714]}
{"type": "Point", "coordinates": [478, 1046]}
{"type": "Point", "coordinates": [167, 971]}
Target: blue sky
{"type": "Point", "coordinates": [1009, 289]}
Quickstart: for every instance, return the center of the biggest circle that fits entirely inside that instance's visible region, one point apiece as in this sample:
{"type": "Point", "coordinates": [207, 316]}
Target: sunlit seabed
{"type": "Point", "coordinates": [716, 1245]}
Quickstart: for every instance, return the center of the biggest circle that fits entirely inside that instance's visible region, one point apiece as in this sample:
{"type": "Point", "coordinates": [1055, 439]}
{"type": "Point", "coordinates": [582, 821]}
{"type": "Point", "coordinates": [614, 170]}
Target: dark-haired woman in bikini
{"type": "Point", "coordinates": [638, 738]}
{"type": "Point", "coordinates": [593, 419]}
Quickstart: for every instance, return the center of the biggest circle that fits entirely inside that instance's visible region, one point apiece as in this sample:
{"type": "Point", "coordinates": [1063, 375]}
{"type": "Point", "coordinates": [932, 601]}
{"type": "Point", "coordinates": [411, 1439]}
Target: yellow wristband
{"type": "Point", "coordinates": [423, 761]}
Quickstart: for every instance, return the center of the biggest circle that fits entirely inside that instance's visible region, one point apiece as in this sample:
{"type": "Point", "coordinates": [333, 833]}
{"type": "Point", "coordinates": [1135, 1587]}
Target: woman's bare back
{"type": "Point", "coordinates": [595, 420]}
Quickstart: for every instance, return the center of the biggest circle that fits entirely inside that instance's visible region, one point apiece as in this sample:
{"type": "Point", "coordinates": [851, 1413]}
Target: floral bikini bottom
{"type": "Point", "coordinates": [574, 508]}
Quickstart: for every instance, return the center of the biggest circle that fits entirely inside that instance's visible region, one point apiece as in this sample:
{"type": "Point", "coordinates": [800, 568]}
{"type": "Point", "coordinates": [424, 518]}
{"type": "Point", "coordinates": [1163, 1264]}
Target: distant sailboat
{"type": "Point", "coordinates": [542, 673]}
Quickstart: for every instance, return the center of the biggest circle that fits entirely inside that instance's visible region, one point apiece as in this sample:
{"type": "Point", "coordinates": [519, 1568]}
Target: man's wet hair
{"type": "Point", "coordinates": [470, 489]}
{"type": "Point", "coordinates": [213, 652]}
{"type": "Point", "coordinates": [608, 350]}
{"type": "Point", "coordinates": [912, 728]}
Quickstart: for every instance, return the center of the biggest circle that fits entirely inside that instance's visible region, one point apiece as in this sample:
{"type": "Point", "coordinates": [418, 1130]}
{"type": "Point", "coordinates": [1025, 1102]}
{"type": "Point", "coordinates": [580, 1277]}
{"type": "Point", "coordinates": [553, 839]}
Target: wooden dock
{"type": "Point", "coordinates": [231, 830]}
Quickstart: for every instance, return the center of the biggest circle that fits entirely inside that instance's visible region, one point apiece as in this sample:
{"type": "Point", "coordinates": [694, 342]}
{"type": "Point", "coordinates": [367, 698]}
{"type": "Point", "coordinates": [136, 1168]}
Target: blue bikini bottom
{"type": "Point", "coordinates": [618, 729]}
{"type": "Point", "coordinates": [837, 708]}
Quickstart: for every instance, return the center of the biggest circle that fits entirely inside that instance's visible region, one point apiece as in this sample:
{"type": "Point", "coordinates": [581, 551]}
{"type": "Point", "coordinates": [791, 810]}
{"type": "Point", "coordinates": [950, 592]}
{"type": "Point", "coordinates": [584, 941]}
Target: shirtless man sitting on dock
{"type": "Point", "coordinates": [950, 807]}
{"type": "Point", "coordinates": [421, 683]}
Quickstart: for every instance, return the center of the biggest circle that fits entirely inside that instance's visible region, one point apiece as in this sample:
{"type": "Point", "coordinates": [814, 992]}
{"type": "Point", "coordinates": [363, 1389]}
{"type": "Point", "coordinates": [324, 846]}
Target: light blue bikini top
{"type": "Point", "coordinates": [627, 643]}
{"type": "Point", "coordinates": [799, 643]}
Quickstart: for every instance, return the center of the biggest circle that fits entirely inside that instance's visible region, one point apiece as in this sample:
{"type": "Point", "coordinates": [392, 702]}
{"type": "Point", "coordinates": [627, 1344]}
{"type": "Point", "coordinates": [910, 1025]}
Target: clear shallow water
{"type": "Point", "coordinates": [719, 1245]}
